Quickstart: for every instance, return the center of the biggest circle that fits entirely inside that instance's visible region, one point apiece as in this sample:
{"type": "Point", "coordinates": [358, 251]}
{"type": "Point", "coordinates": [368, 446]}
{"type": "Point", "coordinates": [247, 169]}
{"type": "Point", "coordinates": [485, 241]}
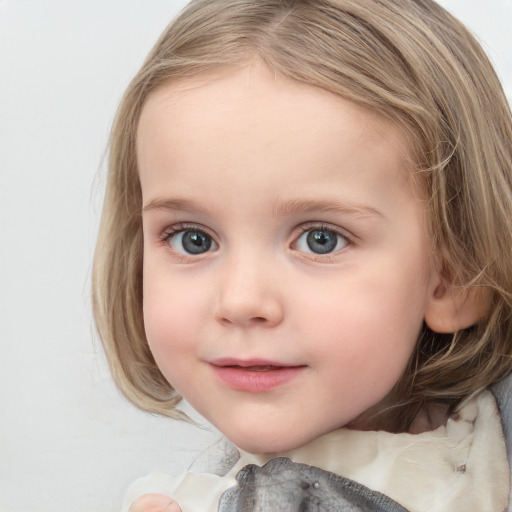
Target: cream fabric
{"type": "Point", "coordinates": [459, 467]}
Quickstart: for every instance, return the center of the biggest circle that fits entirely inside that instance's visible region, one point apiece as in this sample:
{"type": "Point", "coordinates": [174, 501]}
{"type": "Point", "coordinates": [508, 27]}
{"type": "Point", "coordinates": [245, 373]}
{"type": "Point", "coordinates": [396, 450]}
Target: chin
{"type": "Point", "coordinates": [266, 442]}
{"type": "Point", "coordinates": [265, 446]}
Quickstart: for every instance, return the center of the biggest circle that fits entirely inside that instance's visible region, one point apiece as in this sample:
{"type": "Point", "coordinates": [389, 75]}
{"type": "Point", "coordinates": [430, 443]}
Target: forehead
{"type": "Point", "coordinates": [247, 117]}
{"type": "Point", "coordinates": [229, 86]}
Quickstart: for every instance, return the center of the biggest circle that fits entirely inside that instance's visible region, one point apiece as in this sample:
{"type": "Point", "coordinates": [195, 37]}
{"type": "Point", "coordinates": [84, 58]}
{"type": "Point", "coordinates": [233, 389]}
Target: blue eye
{"type": "Point", "coordinates": [321, 241]}
{"type": "Point", "coordinates": [191, 242]}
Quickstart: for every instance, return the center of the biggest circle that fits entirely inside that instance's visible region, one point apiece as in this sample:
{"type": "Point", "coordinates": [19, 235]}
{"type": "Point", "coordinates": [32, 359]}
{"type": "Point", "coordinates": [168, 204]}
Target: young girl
{"type": "Point", "coordinates": [307, 235]}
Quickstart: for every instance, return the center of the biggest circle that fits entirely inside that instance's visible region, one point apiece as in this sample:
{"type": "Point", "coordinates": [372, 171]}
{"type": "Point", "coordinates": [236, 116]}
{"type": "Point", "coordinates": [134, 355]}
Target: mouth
{"type": "Point", "coordinates": [254, 376]}
{"type": "Point", "coordinates": [256, 368]}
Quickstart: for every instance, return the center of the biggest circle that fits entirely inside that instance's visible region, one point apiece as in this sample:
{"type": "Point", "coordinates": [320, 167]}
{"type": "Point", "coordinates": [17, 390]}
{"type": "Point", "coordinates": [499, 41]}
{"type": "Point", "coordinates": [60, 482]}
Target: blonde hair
{"type": "Point", "coordinates": [408, 60]}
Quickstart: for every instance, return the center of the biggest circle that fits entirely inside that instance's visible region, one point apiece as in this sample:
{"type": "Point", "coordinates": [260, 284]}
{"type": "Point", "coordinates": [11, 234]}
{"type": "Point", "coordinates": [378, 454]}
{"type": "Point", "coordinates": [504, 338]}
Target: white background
{"type": "Point", "coordinates": [68, 440]}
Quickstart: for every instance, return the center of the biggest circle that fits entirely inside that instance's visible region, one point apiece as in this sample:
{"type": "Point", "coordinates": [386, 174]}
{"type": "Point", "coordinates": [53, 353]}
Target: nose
{"type": "Point", "coordinates": [249, 296]}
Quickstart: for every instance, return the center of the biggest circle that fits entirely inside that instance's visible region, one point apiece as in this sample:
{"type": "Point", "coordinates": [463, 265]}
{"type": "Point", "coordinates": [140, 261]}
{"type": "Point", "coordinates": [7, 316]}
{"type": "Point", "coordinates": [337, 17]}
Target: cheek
{"type": "Point", "coordinates": [171, 316]}
{"type": "Point", "coordinates": [370, 320]}
{"type": "Point", "coordinates": [171, 331]}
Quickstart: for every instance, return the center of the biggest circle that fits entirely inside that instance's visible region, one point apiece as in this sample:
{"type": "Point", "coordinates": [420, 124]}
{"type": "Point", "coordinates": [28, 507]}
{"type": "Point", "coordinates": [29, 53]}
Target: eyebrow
{"type": "Point", "coordinates": [182, 205]}
{"type": "Point", "coordinates": [283, 208]}
{"type": "Point", "coordinates": [294, 206]}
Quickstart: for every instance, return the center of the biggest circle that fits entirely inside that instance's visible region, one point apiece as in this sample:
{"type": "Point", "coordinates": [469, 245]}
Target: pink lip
{"type": "Point", "coordinates": [254, 375]}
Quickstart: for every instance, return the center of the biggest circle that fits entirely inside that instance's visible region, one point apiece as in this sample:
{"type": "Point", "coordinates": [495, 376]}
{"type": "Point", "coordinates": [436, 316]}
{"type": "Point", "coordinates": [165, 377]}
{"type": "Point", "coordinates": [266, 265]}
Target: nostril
{"type": "Point", "coordinates": [252, 321]}
{"type": "Point", "coordinates": [249, 310]}
{"type": "Point", "coordinates": [225, 321]}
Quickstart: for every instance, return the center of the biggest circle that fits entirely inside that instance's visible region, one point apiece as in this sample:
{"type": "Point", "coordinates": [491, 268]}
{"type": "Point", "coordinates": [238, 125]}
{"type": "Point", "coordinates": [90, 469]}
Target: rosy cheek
{"type": "Point", "coordinates": [157, 315]}
{"type": "Point", "coordinates": [170, 320]}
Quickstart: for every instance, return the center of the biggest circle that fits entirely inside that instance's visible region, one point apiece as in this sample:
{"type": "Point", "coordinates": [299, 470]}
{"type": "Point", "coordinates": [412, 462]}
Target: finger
{"type": "Point", "coordinates": [155, 503]}
{"type": "Point", "coordinates": [172, 506]}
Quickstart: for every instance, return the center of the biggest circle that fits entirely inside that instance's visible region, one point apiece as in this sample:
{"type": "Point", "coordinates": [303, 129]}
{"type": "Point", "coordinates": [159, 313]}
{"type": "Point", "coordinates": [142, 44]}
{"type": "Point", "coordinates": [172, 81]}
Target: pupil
{"type": "Point", "coordinates": [322, 242]}
{"type": "Point", "coordinates": [195, 242]}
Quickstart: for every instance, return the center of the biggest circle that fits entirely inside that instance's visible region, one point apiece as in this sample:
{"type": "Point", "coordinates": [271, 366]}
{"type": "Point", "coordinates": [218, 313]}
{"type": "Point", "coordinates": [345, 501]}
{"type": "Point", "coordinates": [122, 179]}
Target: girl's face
{"type": "Point", "coordinates": [286, 261]}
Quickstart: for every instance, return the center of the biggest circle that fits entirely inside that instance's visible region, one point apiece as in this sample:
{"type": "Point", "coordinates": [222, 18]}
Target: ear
{"type": "Point", "coordinates": [451, 308]}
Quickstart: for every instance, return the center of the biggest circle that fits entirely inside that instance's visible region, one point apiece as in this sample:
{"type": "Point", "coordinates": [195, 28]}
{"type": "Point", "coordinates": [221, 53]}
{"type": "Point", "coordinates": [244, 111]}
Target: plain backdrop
{"type": "Point", "coordinates": [68, 440]}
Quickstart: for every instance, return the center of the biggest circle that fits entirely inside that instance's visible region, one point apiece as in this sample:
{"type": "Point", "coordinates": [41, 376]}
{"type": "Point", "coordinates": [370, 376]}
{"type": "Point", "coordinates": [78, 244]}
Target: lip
{"type": "Point", "coordinates": [254, 375]}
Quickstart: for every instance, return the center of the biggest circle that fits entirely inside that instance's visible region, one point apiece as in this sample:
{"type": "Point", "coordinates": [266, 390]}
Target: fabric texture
{"type": "Point", "coordinates": [459, 467]}
{"type": "Point", "coordinates": [503, 392]}
{"type": "Point", "coordinates": [285, 486]}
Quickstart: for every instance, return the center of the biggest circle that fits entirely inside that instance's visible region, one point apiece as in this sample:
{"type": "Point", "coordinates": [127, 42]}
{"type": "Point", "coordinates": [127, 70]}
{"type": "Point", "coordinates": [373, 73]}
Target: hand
{"type": "Point", "coordinates": [154, 503]}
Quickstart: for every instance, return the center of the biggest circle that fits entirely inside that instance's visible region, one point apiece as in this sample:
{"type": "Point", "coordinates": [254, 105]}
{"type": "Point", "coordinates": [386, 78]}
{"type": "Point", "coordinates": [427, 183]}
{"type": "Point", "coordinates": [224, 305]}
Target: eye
{"type": "Point", "coordinates": [190, 241]}
{"type": "Point", "coordinates": [321, 241]}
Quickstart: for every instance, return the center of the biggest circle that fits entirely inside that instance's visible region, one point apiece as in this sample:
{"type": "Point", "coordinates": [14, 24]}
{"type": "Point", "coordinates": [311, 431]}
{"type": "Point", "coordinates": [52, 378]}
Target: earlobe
{"type": "Point", "coordinates": [451, 308]}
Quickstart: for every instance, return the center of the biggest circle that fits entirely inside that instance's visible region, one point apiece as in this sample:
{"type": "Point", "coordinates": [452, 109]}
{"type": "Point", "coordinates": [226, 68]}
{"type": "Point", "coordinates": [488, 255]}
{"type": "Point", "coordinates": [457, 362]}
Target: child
{"type": "Point", "coordinates": [307, 235]}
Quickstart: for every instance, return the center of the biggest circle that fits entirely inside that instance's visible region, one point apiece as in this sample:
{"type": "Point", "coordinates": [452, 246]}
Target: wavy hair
{"type": "Point", "coordinates": [411, 62]}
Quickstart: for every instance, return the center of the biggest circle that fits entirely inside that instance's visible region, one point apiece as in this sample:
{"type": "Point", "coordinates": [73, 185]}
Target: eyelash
{"type": "Point", "coordinates": [180, 228]}
{"type": "Point", "coordinates": [321, 227]}
{"type": "Point", "coordinates": [174, 231]}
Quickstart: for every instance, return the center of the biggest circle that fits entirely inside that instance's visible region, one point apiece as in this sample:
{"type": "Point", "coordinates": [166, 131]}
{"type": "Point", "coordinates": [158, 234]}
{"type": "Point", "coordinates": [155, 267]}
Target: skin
{"type": "Point", "coordinates": [255, 163]}
{"type": "Point", "coordinates": [155, 503]}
